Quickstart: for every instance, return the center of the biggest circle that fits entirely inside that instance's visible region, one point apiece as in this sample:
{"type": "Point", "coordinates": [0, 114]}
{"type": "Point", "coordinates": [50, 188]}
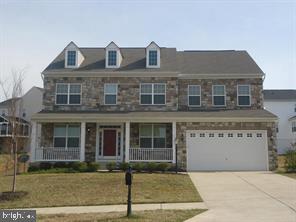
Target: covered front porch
{"type": "Point", "coordinates": [103, 141]}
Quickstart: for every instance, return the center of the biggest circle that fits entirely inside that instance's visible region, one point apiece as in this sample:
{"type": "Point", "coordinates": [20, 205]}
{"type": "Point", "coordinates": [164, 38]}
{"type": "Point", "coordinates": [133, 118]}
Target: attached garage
{"type": "Point", "coordinates": [219, 150]}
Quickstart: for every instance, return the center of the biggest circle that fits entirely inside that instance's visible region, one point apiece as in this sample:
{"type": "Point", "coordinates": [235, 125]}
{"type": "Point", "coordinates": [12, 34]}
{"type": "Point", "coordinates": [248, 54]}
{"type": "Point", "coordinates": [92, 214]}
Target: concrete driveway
{"type": "Point", "coordinates": [246, 196]}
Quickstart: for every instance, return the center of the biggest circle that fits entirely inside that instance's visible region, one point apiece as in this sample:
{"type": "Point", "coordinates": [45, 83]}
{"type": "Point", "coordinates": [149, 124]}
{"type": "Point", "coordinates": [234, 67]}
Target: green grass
{"type": "Point", "coordinates": [138, 216]}
{"type": "Point", "coordinates": [72, 189]}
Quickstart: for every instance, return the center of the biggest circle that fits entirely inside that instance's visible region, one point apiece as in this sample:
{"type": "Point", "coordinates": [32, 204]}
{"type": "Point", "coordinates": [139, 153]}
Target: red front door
{"type": "Point", "coordinates": [109, 143]}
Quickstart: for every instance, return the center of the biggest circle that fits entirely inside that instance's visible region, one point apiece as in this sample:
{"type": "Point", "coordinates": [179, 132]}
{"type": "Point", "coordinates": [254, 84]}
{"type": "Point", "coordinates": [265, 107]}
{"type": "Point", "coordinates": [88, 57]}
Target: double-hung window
{"type": "Point", "coordinates": [71, 58]}
{"type": "Point", "coordinates": [194, 94]}
{"type": "Point", "coordinates": [219, 95]}
{"type": "Point", "coordinates": [112, 58]}
{"type": "Point", "coordinates": [68, 94]}
{"type": "Point", "coordinates": [152, 58]}
{"type": "Point", "coordinates": [110, 94]}
{"type": "Point", "coordinates": [152, 136]}
{"type": "Point", "coordinates": [66, 136]}
{"type": "Point", "coordinates": [294, 126]}
{"type": "Point", "coordinates": [243, 95]}
{"type": "Point", "coordinates": [153, 93]}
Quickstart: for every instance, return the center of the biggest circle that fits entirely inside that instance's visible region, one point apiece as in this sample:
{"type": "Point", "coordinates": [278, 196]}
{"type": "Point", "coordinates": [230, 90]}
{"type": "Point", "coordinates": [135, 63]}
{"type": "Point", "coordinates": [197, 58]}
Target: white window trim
{"type": "Point", "coordinates": [66, 136]}
{"type": "Point", "coordinates": [218, 95]}
{"type": "Point", "coordinates": [158, 58]}
{"type": "Point", "coordinates": [107, 59]}
{"type": "Point", "coordinates": [68, 94]}
{"type": "Point", "coordinates": [152, 135]}
{"type": "Point", "coordinates": [188, 95]}
{"type": "Point", "coordinates": [293, 124]}
{"type": "Point", "coordinates": [153, 94]}
{"type": "Point", "coordinates": [237, 95]}
{"type": "Point", "coordinates": [76, 58]}
{"type": "Point", "coordinates": [110, 94]}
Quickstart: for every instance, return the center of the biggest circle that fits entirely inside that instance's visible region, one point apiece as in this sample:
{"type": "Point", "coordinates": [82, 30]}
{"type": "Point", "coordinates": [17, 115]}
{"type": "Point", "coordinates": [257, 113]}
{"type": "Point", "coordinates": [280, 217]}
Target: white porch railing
{"type": "Point", "coordinates": [149, 154]}
{"type": "Point", "coordinates": [57, 154]}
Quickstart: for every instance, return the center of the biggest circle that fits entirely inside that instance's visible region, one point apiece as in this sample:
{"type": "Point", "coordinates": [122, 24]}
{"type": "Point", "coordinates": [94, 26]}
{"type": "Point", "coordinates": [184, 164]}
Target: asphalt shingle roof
{"type": "Point", "coordinates": [279, 94]}
{"type": "Point", "coordinates": [187, 62]}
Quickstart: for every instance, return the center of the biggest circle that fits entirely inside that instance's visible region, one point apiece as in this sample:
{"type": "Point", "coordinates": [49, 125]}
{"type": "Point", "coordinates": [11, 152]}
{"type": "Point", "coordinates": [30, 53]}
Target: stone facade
{"type": "Point", "coordinates": [128, 98]}
{"type": "Point", "coordinates": [270, 127]}
{"type": "Point", "coordinates": [93, 94]}
{"type": "Point", "coordinates": [231, 93]}
{"type": "Point", "coordinates": [90, 142]}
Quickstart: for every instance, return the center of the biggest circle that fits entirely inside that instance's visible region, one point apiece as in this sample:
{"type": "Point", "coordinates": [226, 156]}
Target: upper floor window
{"type": "Point", "coordinates": [153, 58]}
{"type": "Point", "coordinates": [294, 126]}
{"type": "Point", "coordinates": [66, 136]}
{"type": "Point", "coordinates": [152, 93]}
{"type": "Point", "coordinates": [71, 58]}
{"type": "Point", "coordinates": [68, 94]}
{"type": "Point", "coordinates": [219, 96]}
{"type": "Point", "coordinates": [243, 95]}
{"type": "Point", "coordinates": [110, 94]}
{"type": "Point", "coordinates": [112, 58]}
{"type": "Point", "coordinates": [194, 94]}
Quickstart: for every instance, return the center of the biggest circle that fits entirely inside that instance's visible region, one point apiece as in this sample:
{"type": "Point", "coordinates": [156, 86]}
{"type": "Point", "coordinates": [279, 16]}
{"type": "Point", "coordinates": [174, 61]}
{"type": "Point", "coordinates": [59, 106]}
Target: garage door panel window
{"type": "Point", "coordinates": [243, 95]}
{"type": "Point", "coordinates": [194, 95]}
{"type": "Point", "coordinates": [152, 136]}
{"type": "Point", "coordinates": [219, 95]}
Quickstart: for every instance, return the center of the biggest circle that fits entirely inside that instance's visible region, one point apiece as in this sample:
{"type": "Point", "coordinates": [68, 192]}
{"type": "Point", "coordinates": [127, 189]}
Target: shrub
{"type": "Point", "coordinates": [60, 165]}
{"type": "Point", "coordinates": [33, 168]}
{"type": "Point", "coordinates": [291, 161]}
{"type": "Point", "coordinates": [163, 167]}
{"type": "Point", "coordinates": [45, 165]}
{"type": "Point", "coordinates": [151, 166]}
{"type": "Point", "coordinates": [111, 166]}
{"type": "Point", "coordinates": [93, 167]}
{"type": "Point", "coordinates": [138, 167]}
{"type": "Point", "coordinates": [79, 166]}
{"type": "Point", "coordinates": [124, 166]}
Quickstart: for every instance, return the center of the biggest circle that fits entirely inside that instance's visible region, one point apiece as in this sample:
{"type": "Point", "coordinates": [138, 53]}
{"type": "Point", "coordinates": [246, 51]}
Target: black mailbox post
{"type": "Point", "coordinates": [128, 182]}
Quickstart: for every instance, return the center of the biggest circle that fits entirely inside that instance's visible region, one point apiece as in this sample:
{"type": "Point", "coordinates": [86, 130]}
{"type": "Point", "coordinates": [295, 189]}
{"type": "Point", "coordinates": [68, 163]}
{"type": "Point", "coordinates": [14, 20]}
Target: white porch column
{"type": "Point", "coordinates": [82, 142]}
{"type": "Point", "coordinates": [127, 141]}
{"type": "Point", "coordinates": [174, 141]}
{"type": "Point", "coordinates": [33, 141]}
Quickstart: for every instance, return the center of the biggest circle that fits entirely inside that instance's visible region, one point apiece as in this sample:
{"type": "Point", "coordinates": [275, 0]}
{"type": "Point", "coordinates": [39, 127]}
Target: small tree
{"type": "Point", "coordinates": [12, 89]}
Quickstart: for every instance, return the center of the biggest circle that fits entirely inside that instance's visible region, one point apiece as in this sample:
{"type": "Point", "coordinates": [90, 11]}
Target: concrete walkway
{"type": "Point", "coordinates": [118, 208]}
{"type": "Point", "coordinates": [246, 197]}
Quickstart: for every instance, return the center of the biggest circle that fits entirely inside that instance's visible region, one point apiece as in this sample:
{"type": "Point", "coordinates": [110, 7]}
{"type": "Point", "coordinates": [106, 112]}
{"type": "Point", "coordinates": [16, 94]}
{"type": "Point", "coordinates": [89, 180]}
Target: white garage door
{"type": "Point", "coordinates": [226, 150]}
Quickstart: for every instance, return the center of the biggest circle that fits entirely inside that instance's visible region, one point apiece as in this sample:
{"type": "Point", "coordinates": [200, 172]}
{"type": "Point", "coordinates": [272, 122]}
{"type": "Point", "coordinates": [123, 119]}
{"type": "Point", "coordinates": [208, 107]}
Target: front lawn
{"type": "Point", "coordinates": [138, 216]}
{"type": "Point", "coordinates": [72, 189]}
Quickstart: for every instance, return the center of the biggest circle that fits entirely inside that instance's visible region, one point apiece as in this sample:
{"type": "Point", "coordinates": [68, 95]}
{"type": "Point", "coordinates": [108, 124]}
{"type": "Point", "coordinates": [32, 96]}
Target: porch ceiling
{"type": "Point", "coordinates": [197, 116]}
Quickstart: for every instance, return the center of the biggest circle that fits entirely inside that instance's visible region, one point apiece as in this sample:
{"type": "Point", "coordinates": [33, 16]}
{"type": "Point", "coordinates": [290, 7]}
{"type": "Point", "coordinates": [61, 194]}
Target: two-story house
{"type": "Point", "coordinates": [203, 109]}
{"type": "Point", "coordinates": [282, 102]}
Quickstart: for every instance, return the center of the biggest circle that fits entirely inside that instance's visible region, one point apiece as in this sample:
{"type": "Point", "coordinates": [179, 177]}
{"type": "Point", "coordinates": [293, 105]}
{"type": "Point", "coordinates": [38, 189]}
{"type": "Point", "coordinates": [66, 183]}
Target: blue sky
{"type": "Point", "coordinates": [32, 33]}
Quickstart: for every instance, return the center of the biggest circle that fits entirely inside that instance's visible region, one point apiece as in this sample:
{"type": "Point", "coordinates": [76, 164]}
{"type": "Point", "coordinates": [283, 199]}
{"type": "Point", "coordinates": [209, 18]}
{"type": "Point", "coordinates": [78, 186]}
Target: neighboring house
{"type": "Point", "coordinates": [283, 103]}
{"type": "Point", "coordinates": [27, 105]}
{"type": "Point", "coordinates": [203, 109]}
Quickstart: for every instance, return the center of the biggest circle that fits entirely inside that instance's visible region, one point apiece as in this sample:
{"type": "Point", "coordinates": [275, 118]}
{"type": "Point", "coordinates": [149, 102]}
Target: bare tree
{"type": "Point", "coordinates": [12, 89]}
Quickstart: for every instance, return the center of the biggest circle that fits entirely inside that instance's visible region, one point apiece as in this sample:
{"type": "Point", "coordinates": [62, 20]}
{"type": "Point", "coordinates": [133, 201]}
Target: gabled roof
{"type": "Point", "coordinates": [187, 62]}
{"type": "Point", "coordinates": [279, 94]}
{"type": "Point", "coordinates": [9, 101]}
{"type": "Point", "coordinates": [18, 119]}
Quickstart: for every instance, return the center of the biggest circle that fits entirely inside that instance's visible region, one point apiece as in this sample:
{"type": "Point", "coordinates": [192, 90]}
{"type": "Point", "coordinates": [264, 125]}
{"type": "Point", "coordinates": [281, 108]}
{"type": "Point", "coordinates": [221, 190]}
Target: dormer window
{"type": "Point", "coordinates": [71, 58]}
{"type": "Point", "coordinates": [112, 58]}
{"type": "Point", "coordinates": [152, 58]}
